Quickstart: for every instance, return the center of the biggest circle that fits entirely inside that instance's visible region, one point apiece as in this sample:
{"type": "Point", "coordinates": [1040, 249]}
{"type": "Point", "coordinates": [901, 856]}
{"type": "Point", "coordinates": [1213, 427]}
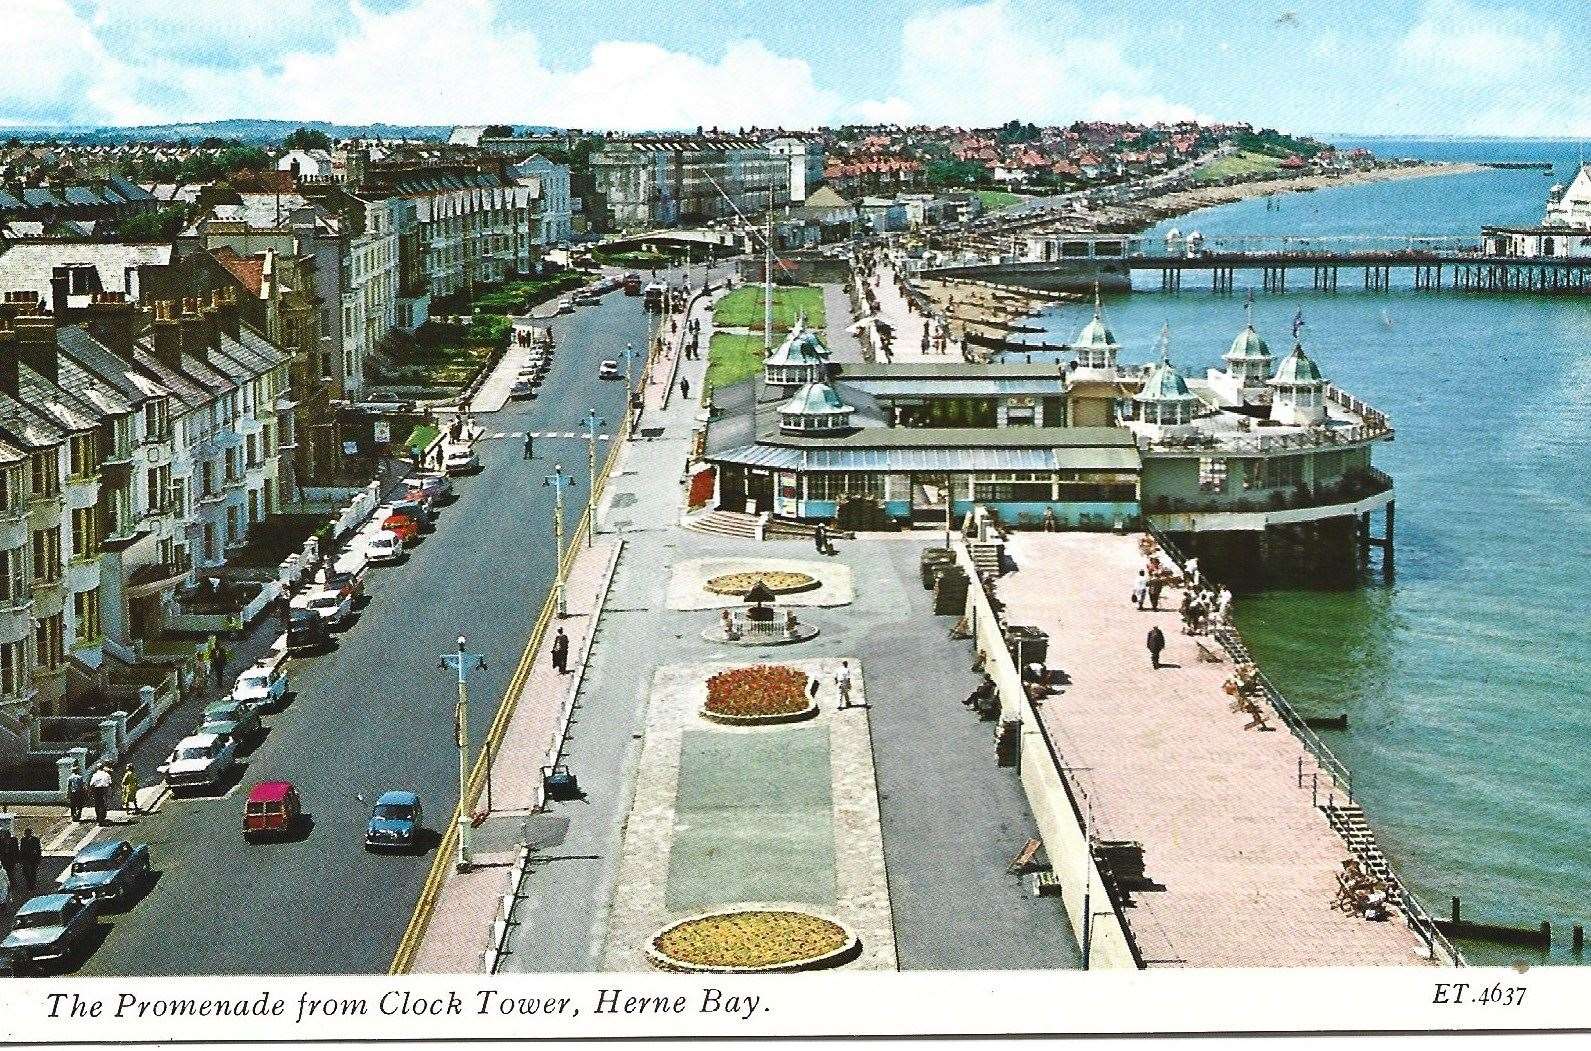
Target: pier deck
{"type": "Point", "coordinates": [1242, 864]}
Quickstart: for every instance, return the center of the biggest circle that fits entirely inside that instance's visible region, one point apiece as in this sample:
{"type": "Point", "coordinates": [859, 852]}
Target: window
{"type": "Point", "coordinates": [158, 483]}
{"type": "Point", "coordinates": [837, 484]}
{"type": "Point", "coordinates": [85, 604]}
{"type": "Point", "coordinates": [1284, 471]}
{"type": "Point", "coordinates": [1212, 474]}
{"type": "Point", "coordinates": [47, 555]}
{"type": "Point", "coordinates": [157, 422]}
{"type": "Point", "coordinates": [49, 641]}
{"type": "Point", "coordinates": [13, 576]}
{"type": "Point", "coordinates": [13, 489]}
{"type": "Point", "coordinates": [45, 469]}
{"type": "Point", "coordinates": [85, 532]}
{"type": "Point", "coordinates": [85, 455]}
{"type": "Point", "coordinates": [13, 670]}
{"type": "Point", "coordinates": [1013, 485]}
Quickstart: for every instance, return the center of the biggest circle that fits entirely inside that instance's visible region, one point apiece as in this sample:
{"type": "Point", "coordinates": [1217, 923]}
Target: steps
{"type": "Point", "coordinates": [1348, 819]}
{"type": "Point", "coordinates": [725, 523]}
{"type": "Point", "coordinates": [988, 556]}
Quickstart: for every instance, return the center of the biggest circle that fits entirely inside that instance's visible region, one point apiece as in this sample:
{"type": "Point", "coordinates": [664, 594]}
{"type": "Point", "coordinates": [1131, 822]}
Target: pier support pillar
{"type": "Point", "coordinates": [1389, 536]}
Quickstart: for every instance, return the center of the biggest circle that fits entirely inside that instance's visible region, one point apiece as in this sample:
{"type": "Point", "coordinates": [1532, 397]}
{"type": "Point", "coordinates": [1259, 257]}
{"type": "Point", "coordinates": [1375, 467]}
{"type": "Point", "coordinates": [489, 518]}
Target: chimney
{"type": "Point", "coordinates": [225, 303]}
{"type": "Point", "coordinates": [36, 344]}
{"type": "Point", "coordinates": [60, 290]}
{"type": "Point", "coordinates": [190, 328]}
{"type": "Point", "coordinates": [113, 321]}
{"type": "Point", "coordinates": [164, 335]}
{"type": "Point", "coordinates": [210, 325]}
{"type": "Point", "coordinates": [8, 357]}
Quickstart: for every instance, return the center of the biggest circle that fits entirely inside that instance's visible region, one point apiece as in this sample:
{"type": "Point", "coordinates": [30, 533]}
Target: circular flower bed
{"type": "Point", "coordinates": [753, 940]}
{"type": "Point", "coordinates": [762, 693]}
{"type": "Point", "coordinates": [778, 581]}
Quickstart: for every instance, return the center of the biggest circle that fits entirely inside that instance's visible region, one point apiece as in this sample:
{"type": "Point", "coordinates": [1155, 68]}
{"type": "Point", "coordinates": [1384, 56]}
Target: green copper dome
{"type": "Point", "coordinates": [1248, 346]}
{"type": "Point", "coordinates": [1297, 369]}
{"type": "Point", "coordinates": [1164, 383]}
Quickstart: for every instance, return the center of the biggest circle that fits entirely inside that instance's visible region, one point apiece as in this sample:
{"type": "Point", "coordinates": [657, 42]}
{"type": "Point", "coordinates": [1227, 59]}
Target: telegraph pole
{"type": "Point", "coordinates": [767, 280]}
{"type": "Point", "coordinates": [593, 421]}
{"type": "Point", "coordinates": [463, 663]}
{"type": "Point", "coordinates": [559, 481]}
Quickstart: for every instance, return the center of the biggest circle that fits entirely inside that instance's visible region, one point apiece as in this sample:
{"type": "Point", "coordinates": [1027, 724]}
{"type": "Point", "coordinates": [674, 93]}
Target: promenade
{"type": "Point", "coordinates": [1239, 865]}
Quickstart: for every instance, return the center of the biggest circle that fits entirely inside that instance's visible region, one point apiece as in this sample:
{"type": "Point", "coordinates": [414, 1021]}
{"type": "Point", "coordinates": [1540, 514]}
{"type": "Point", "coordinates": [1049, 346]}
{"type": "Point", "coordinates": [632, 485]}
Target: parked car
{"type": "Point", "coordinates": [403, 526]}
{"type": "Point", "coordinates": [306, 629]}
{"type": "Point", "coordinates": [632, 284]}
{"type": "Point", "coordinates": [415, 509]}
{"type": "Point", "coordinates": [395, 823]}
{"type": "Point", "coordinates": [566, 305]}
{"type": "Point", "coordinates": [383, 545]}
{"type": "Point", "coordinates": [522, 391]}
{"type": "Point", "coordinates": [200, 761]}
{"type": "Point", "coordinates": [461, 460]}
{"type": "Point", "coordinates": [49, 927]}
{"type": "Point", "coordinates": [272, 809]}
{"type": "Point", "coordinates": [588, 297]}
{"type": "Point", "coordinates": [264, 686]}
{"type": "Point", "coordinates": [608, 370]}
{"type": "Point", "coordinates": [333, 607]}
{"type": "Point", "coordinates": [436, 487]}
{"type": "Point", "coordinates": [230, 718]}
{"type": "Point", "coordinates": [107, 870]}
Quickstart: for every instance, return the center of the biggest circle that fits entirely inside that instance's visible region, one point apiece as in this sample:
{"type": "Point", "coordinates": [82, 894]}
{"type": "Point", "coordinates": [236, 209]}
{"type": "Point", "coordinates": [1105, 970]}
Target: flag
{"type": "Point", "coordinates": [1298, 323]}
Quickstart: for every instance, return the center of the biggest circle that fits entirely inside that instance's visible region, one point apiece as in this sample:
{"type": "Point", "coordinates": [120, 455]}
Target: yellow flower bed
{"type": "Point", "coordinates": [778, 581]}
{"type": "Point", "coordinates": [751, 939]}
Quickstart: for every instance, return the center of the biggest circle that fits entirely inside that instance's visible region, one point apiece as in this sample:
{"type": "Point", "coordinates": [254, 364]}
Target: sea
{"type": "Point", "coordinates": [1464, 679]}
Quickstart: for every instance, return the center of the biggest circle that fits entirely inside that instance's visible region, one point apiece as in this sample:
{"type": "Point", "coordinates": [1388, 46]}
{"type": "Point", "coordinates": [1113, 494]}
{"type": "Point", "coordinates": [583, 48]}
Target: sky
{"type": "Point", "coordinates": [1436, 67]}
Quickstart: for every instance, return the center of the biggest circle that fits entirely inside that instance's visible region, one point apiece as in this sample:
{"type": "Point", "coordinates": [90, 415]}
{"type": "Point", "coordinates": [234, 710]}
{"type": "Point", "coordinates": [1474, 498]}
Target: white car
{"type": "Point", "coordinates": [263, 686]}
{"type": "Point", "coordinates": [460, 459]}
{"type": "Point", "coordinates": [200, 761]}
{"type": "Point", "coordinates": [566, 305]}
{"type": "Point", "coordinates": [333, 607]}
{"type": "Point", "coordinates": [383, 545]}
{"type": "Point", "coordinates": [608, 370]}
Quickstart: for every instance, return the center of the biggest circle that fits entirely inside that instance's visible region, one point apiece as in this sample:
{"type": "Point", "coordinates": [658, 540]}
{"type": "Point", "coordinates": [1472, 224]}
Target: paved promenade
{"type": "Point", "coordinates": [1244, 864]}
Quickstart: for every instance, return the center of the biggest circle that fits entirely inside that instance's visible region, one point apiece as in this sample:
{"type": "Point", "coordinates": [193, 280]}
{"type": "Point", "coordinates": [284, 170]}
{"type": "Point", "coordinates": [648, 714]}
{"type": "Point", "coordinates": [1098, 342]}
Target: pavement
{"type": "Point", "coordinates": [375, 714]}
{"type": "Point", "coordinates": [1240, 865]}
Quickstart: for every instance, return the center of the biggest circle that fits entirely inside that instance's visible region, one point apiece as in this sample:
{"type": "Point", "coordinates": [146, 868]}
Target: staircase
{"type": "Point", "coordinates": [1348, 819]}
{"type": "Point", "coordinates": [725, 523]}
{"type": "Point", "coordinates": [988, 556]}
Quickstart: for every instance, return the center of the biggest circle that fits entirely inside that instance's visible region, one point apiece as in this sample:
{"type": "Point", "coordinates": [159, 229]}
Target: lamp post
{"type": "Point", "coordinates": [559, 481]}
{"type": "Point", "coordinates": [593, 421]}
{"type": "Point", "coordinates": [463, 663]}
{"type": "Point", "coordinates": [629, 395]}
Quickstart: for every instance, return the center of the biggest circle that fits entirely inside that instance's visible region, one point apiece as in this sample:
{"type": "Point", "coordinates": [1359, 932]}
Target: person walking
{"type": "Point", "coordinates": [820, 538]}
{"type": "Point", "coordinates": [76, 795]}
{"type": "Point", "coordinates": [218, 657]}
{"type": "Point", "coordinates": [842, 684]}
{"type": "Point", "coordinates": [130, 790]}
{"type": "Point", "coordinates": [1154, 587]}
{"type": "Point", "coordinates": [30, 852]}
{"type": "Point", "coordinates": [1156, 643]}
{"type": "Point", "coordinates": [684, 387]}
{"type": "Point", "coordinates": [560, 653]}
{"type": "Point", "coordinates": [530, 446]}
{"type": "Point", "coordinates": [9, 853]}
{"type": "Point", "coordinates": [99, 785]}
{"type": "Point", "coordinates": [1140, 590]}
{"type": "Point", "coordinates": [1223, 605]}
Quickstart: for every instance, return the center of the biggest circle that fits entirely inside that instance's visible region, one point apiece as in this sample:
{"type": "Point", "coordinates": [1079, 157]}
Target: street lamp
{"type": "Point", "coordinates": [463, 663]}
{"type": "Point", "coordinates": [593, 421]}
{"type": "Point", "coordinates": [559, 481]}
{"type": "Point", "coordinates": [629, 352]}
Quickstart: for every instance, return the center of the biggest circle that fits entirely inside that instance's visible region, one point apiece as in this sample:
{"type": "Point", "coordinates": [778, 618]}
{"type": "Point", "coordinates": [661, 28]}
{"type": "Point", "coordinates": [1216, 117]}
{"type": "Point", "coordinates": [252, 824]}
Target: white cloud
{"type": "Point", "coordinates": [1457, 42]}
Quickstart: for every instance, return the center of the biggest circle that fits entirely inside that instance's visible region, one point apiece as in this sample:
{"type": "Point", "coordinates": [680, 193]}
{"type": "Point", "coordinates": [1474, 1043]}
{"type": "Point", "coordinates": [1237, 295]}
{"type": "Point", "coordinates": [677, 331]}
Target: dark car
{"type": "Point", "coordinates": [235, 719]}
{"type": "Point", "coordinates": [306, 630]}
{"type": "Point", "coordinates": [49, 927]}
{"type": "Point", "coordinates": [522, 391]}
{"type": "Point", "coordinates": [395, 823]}
{"type": "Point", "coordinates": [109, 870]}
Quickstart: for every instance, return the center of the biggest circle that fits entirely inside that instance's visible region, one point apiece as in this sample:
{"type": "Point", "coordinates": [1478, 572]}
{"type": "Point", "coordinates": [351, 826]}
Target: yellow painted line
{"type": "Point", "coordinates": [414, 933]}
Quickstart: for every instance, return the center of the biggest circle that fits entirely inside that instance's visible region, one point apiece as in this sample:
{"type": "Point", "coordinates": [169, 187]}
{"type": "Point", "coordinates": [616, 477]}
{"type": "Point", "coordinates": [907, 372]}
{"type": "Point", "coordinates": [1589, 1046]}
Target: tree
{"type": "Point", "coordinates": [954, 173]}
{"type": "Point", "coordinates": [498, 131]}
{"type": "Point", "coordinates": [307, 139]}
{"type": "Point", "coordinates": [162, 225]}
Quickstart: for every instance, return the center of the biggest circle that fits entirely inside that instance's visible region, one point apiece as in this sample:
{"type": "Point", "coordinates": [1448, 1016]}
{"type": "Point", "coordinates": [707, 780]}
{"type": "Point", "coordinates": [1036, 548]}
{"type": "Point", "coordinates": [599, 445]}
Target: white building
{"type": "Point", "coordinates": [806, 163]}
{"type": "Point", "coordinates": [306, 164]}
{"type": "Point", "coordinates": [551, 182]}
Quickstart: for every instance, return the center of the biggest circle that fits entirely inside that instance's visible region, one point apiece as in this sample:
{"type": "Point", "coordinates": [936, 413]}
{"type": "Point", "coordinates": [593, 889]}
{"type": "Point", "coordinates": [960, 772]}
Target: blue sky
{"type": "Point", "coordinates": [1390, 66]}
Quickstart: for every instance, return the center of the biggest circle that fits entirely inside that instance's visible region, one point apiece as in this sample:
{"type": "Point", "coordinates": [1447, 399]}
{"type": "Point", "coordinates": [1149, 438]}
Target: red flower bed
{"type": "Point", "coordinates": [761, 690]}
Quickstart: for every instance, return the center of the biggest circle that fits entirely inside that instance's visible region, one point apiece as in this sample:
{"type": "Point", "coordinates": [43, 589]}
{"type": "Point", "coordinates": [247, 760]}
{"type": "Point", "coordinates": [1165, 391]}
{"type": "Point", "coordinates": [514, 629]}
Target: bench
{"type": "Point", "coordinates": [1024, 857]}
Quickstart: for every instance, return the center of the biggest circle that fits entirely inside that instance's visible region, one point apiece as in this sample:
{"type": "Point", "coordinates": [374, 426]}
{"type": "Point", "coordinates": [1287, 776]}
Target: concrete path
{"type": "Point", "coordinates": [908, 325]}
{"type": "Point", "coordinates": [845, 344]}
{"type": "Point", "coordinates": [493, 394]}
{"type": "Point", "coordinates": [1244, 863]}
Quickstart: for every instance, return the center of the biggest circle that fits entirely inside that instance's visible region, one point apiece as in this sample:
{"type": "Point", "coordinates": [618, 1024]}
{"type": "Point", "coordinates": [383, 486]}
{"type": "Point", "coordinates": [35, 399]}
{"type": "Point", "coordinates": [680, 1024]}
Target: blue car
{"type": "Point", "coordinates": [395, 823]}
{"type": "Point", "coordinates": [49, 927]}
{"type": "Point", "coordinates": [109, 870]}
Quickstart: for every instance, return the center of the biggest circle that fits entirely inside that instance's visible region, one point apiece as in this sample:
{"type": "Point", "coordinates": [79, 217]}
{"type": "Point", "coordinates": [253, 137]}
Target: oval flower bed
{"type": "Point", "coordinates": [778, 581]}
{"type": "Point", "coordinates": [760, 694]}
{"type": "Point", "coordinates": [750, 941]}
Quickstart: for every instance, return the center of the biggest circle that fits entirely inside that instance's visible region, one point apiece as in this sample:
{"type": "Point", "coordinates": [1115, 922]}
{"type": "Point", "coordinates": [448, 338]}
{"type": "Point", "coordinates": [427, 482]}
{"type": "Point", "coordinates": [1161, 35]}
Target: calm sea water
{"type": "Point", "coordinates": [1463, 680]}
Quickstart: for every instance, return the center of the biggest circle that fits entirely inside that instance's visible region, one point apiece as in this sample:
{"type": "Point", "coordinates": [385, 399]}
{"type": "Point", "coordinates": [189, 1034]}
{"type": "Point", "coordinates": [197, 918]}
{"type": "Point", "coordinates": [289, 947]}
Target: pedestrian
{"type": "Point", "coordinates": [820, 538]}
{"type": "Point", "coordinates": [842, 683]}
{"type": "Point", "coordinates": [684, 387]}
{"type": "Point", "coordinates": [1140, 590]}
{"type": "Point", "coordinates": [130, 790]}
{"type": "Point", "coordinates": [29, 853]}
{"type": "Point", "coordinates": [530, 446]}
{"type": "Point", "coordinates": [9, 853]}
{"type": "Point", "coordinates": [76, 795]}
{"type": "Point", "coordinates": [99, 785]}
{"type": "Point", "coordinates": [218, 662]}
{"type": "Point", "coordinates": [560, 653]}
{"type": "Point", "coordinates": [1154, 587]}
{"type": "Point", "coordinates": [1223, 605]}
{"type": "Point", "coordinates": [1190, 572]}
{"type": "Point", "coordinates": [1156, 642]}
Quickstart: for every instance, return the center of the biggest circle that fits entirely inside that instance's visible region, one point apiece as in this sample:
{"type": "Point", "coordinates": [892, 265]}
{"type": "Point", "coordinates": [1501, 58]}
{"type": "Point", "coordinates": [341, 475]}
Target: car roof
{"type": "Point", "coordinates": [196, 740]}
{"type": "Point", "coordinates": [301, 613]}
{"type": "Point", "coordinates": [102, 849]}
{"type": "Point", "coordinates": [270, 791]}
{"type": "Point", "coordinates": [397, 798]}
{"type": "Point", "coordinates": [44, 903]}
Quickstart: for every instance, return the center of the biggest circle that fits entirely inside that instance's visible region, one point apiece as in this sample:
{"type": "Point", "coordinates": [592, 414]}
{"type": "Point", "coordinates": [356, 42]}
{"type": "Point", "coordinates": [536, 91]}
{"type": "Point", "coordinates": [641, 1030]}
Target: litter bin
{"type": "Point", "coordinates": [933, 560]}
{"type": "Point", "coordinates": [1028, 645]}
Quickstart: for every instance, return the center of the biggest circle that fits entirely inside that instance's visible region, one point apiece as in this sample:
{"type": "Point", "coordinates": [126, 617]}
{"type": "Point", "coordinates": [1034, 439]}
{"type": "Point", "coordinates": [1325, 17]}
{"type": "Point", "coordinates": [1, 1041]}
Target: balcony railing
{"type": "Point", "coordinates": [1250, 442]}
{"type": "Point", "coordinates": [1346, 490]}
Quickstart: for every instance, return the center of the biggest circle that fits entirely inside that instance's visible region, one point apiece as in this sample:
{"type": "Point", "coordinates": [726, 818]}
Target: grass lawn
{"type": "Point", "coordinates": [742, 308]}
{"type": "Point", "coordinates": [1242, 165]}
{"type": "Point", "coordinates": [995, 200]}
{"type": "Point", "coordinates": [732, 357]}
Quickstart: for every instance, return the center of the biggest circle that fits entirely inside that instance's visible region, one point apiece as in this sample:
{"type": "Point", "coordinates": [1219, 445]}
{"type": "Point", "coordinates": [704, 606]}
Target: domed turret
{"type": "Point", "coordinates": [1299, 396]}
{"type": "Point", "coordinates": [1096, 346]}
{"type": "Point", "coordinates": [1249, 360]}
{"type": "Point", "coordinates": [1164, 399]}
{"type": "Point", "coordinates": [800, 359]}
{"type": "Point", "coordinates": [814, 409]}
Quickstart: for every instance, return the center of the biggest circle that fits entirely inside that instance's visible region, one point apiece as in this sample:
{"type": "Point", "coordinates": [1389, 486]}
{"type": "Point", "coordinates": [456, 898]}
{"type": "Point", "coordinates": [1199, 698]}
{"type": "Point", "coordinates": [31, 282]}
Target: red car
{"type": "Point", "coordinates": [407, 529]}
{"type": "Point", "coordinates": [272, 810]}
